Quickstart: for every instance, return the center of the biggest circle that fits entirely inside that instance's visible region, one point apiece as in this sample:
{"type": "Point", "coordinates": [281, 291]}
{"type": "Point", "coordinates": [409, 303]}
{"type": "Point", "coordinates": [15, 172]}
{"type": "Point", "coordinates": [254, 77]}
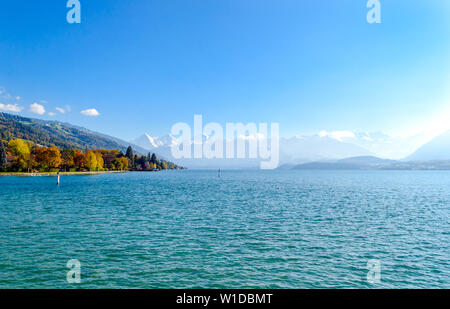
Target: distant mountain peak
{"type": "Point", "coordinates": [154, 142]}
{"type": "Point", "coordinates": [151, 143]}
{"type": "Point", "coordinates": [436, 149]}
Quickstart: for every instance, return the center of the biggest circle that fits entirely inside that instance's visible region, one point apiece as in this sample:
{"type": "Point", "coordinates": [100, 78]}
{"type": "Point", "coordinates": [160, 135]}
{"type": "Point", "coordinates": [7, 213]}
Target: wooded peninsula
{"type": "Point", "coordinates": [22, 156]}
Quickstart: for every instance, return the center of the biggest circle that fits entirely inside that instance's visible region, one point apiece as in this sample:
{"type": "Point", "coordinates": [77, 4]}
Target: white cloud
{"type": "Point", "coordinates": [61, 110]}
{"type": "Point", "coordinates": [90, 112]}
{"type": "Point", "coordinates": [51, 114]}
{"type": "Point", "coordinates": [337, 135]}
{"type": "Point", "coordinates": [11, 108]}
{"type": "Point", "coordinates": [18, 98]}
{"type": "Point", "coordinates": [2, 90]}
{"type": "Point", "coordinates": [36, 108]}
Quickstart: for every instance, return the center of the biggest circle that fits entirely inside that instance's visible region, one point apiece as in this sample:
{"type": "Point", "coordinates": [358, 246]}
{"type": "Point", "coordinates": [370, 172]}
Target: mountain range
{"type": "Point", "coordinates": [326, 147]}
{"type": "Point", "coordinates": [322, 150]}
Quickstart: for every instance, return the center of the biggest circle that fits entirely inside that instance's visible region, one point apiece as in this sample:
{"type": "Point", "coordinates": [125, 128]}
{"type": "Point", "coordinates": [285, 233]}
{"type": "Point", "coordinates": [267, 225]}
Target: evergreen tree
{"type": "Point", "coordinates": [154, 159]}
{"type": "Point", "coordinates": [130, 156]}
{"type": "Point", "coordinates": [136, 161]}
{"type": "Point", "coordinates": [3, 160]}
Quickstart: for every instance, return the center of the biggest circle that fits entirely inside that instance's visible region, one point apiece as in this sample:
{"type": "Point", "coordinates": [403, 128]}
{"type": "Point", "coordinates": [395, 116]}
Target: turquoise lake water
{"type": "Point", "coordinates": [248, 229]}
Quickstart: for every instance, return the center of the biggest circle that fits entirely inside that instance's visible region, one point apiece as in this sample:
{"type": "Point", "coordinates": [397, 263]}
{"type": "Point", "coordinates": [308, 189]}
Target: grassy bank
{"type": "Point", "coordinates": [49, 174]}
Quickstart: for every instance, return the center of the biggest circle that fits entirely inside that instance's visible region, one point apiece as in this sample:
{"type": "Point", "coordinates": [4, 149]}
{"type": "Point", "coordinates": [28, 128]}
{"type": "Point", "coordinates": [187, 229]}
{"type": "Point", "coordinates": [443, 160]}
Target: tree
{"type": "Point", "coordinates": [154, 159]}
{"type": "Point", "coordinates": [40, 157]}
{"type": "Point", "coordinates": [164, 165]}
{"type": "Point", "coordinates": [3, 157]}
{"type": "Point", "coordinates": [67, 157]}
{"type": "Point", "coordinates": [117, 164]}
{"type": "Point", "coordinates": [139, 161]}
{"type": "Point", "coordinates": [121, 163]}
{"type": "Point", "coordinates": [130, 155]}
{"type": "Point", "coordinates": [80, 161]}
{"type": "Point", "coordinates": [91, 159]}
{"type": "Point", "coordinates": [108, 159]}
{"type": "Point", "coordinates": [100, 161]}
{"type": "Point", "coordinates": [21, 150]}
{"type": "Point", "coordinates": [47, 158]}
{"type": "Point", "coordinates": [125, 162]}
{"type": "Point", "coordinates": [54, 157]}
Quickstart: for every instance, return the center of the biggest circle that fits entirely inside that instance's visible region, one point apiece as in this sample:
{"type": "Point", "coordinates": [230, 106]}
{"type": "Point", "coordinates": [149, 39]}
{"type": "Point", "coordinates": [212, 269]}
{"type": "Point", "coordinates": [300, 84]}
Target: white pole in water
{"type": "Point", "coordinates": [57, 183]}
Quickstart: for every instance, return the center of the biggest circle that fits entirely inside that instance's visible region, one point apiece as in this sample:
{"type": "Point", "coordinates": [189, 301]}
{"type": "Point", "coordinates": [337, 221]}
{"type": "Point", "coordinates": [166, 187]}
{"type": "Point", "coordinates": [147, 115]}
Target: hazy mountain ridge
{"type": "Point", "coordinates": [387, 146]}
{"type": "Point", "coordinates": [312, 148]}
{"type": "Point", "coordinates": [436, 149]}
{"type": "Point", "coordinates": [371, 163]}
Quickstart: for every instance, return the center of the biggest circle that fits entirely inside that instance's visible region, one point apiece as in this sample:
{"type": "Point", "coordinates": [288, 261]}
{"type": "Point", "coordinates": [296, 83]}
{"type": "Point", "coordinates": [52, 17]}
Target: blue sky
{"type": "Point", "coordinates": [309, 65]}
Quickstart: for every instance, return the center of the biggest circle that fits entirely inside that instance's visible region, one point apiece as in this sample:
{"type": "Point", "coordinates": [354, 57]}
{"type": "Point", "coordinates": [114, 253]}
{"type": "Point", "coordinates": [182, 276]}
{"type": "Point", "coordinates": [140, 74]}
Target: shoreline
{"type": "Point", "coordinates": [54, 174]}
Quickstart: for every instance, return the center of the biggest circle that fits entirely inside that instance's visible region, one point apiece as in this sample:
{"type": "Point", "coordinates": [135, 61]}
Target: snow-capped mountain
{"type": "Point", "coordinates": [151, 143]}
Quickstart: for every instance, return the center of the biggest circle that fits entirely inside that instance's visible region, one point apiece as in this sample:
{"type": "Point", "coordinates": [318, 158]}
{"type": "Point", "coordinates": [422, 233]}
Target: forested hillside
{"type": "Point", "coordinates": [53, 133]}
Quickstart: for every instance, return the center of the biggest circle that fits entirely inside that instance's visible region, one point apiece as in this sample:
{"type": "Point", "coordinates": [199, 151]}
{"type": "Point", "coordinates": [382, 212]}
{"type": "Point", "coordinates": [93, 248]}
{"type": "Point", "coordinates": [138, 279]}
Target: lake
{"type": "Point", "coordinates": [246, 229]}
